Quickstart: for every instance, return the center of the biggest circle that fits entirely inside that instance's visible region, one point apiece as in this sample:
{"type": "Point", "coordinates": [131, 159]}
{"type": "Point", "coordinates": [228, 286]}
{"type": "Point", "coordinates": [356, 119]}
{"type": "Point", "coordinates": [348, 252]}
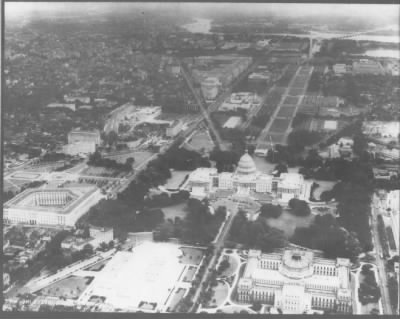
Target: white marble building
{"type": "Point", "coordinates": [247, 181]}
{"type": "Point", "coordinates": [50, 206]}
{"type": "Point", "coordinates": [296, 281]}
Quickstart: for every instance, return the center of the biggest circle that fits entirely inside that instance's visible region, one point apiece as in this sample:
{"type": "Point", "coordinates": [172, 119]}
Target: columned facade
{"type": "Point", "coordinates": [246, 180]}
{"type": "Point", "coordinates": [296, 282]}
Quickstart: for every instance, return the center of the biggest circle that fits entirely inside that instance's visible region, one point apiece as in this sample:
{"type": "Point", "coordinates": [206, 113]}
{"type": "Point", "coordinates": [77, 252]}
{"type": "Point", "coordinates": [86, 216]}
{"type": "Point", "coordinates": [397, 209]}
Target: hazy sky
{"type": "Point", "coordinates": [369, 11]}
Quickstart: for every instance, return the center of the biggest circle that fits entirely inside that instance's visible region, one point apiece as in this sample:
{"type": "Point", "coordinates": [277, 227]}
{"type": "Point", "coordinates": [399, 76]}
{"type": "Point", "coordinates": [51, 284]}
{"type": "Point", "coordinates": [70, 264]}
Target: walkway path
{"type": "Point", "coordinates": [228, 302]}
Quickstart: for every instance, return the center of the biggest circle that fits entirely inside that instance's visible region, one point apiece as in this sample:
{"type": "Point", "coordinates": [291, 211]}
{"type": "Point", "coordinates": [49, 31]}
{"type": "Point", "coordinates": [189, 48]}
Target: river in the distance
{"type": "Point", "coordinates": [201, 25]}
{"type": "Point", "coordinates": [383, 53]}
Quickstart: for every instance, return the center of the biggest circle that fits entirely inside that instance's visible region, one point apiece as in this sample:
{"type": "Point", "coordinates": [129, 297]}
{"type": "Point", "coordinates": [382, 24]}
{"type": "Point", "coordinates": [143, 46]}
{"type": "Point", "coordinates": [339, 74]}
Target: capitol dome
{"type": "Point", "coordinates": [246, 165]}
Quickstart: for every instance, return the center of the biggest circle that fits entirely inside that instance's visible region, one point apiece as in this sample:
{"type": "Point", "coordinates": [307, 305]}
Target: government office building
{"type": "Point", "coordinates": [296, 281]}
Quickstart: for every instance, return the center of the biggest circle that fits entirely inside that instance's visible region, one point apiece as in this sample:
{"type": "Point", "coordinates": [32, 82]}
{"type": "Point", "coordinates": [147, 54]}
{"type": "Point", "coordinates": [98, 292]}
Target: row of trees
{"type": "Point", "coordinates": [393, 287]}
{"type": "Point", "coordinates": [96, 159]}
{"type": "Point", "coordinates": [369, 291]}
{"type": "Point", "coordinates": [383, 238]}
{"type": "Point", "coordinates": [264, 114]}
{"type": "Point", "coordinates": [316, 79]}
{"type": "Point", "coordinates": [186, 303]}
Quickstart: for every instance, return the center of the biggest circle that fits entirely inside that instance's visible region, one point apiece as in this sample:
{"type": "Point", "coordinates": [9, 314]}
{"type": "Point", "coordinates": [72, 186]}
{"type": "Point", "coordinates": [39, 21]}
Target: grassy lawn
{"type": "Point", "coordinates": [202, 140]}
{"type": "Point", "coordinates": [19, 182]}
{"type": "Point", "coordinates": [71, 287]}
{"type": "Point", "coordinates": [294, 91]}
{"type": "Point", "coordinates": [188, 277]}
{"type": "Point", "coordinates": [277, 138]}
{"type": "Point", "coordinates": [262, 165]}
{"type": "Point", "coordinates": [220, 293]}
{"type": "Point", "coordinates": [234, 294]}
{"type": "Point", "coordinates": [177, 296]}
{"type": "Point", "coordinates": [176, 179]}
{"type": "Point", "coordinates": [233, 265]}
{"type": "Point", "coordinates": [366, 309]}
{"type": "Point", "coordinates": [280, 125]}
{"type": "Point", "coordinates": [178, 210]}
{"type": "Point", "coordinates": [26, 175]}
{"type": "Point", "coordinates": [286, 111]}
{"type": "Point", "coordinates": [7, 186]}
{"type": "Point", "coordinates": [323, 186]}
{"type": "Point", "coordinates": [191, 255]}
{"type": "Point", "coordinates": [291, 100]}
{"type": "Point", "coordinates": [288, 222]}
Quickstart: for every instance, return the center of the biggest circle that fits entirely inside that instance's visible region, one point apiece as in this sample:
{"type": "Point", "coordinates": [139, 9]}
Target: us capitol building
{"type": "Point", "coordinates": [296, 281]}
{"type": "Point", "coordinates": [247, 182]}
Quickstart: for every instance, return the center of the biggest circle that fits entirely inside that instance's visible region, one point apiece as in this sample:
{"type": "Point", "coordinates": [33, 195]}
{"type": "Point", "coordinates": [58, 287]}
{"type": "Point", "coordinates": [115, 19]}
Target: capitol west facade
{"type": "Point", "coordinates": [247, 181]}
{"type": "Point", "coordinates": [296, 281]}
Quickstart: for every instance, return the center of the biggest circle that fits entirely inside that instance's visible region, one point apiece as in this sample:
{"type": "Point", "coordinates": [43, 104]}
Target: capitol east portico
{"type": "Point", "coordinates": [248, 183]}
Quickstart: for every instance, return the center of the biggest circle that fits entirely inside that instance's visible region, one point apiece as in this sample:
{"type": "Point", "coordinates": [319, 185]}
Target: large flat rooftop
{"type": "Point", "coordinates": [142, 279]}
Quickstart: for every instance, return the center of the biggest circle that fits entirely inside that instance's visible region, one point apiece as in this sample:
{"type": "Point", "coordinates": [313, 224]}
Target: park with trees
{"type": "Point", "coordinates": [270, 211]}
{"type": "Point", "coordinates": [97, 160]}
{"type": "Point", "coordinates": [327, 235]}
{"type": "Point", "coordinates": [256, 234]}
{"type": "Point", "coordinates": [199, 226]}
{"type": "Point", "coordinates": [299, 207]}
{"type": "Point", "coordinates": [52, 257]}
{"type": "Point", "coordinates": [133, 210]}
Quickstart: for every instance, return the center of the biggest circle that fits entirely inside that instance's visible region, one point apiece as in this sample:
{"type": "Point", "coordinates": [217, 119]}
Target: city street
{"type": "Point", "coordinates": [380, 262]}
{"type": "Point", "coordinates": [217, 246]}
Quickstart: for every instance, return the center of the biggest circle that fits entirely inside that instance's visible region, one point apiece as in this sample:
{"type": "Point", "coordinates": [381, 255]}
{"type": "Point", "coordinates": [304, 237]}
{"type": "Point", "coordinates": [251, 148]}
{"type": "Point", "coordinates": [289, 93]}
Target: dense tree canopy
{"type": "Point", "coordinates": [96, 159]}
{"type": "Point", "coordinates": [256, 234]}
{"type": "Point", "coordinates": [299, 207]}
{"type": "Point", "coordinates": [326, 234]}
{"type": "Point", "coordinates": [353, 208]}
{"type": "Point", "coordinates": [198, 226]}
{"type": "Point", "coordinates": [271, 211]}
{"type": "Point", "coordinates": [299, 139]}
